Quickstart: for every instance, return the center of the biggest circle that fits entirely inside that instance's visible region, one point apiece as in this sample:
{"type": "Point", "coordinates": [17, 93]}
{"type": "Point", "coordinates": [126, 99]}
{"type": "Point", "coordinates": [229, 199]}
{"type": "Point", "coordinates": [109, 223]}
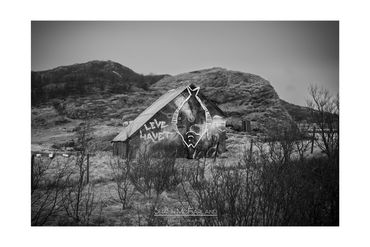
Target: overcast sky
{"type": "Point", "coordinates": [291, 55]}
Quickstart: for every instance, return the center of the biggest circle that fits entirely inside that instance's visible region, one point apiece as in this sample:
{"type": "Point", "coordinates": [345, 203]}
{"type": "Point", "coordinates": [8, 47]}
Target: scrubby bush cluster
{"type": "Point", "coordinates": [266, 187]}
{"type": "Point", "coordinates": [60, 190]}
{"type": "Point", "coordinates": [262, 190]}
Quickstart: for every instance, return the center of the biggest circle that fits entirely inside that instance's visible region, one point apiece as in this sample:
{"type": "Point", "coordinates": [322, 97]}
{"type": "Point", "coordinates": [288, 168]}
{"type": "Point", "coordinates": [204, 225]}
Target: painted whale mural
{"type": "Point", "coordinates": [182, 120]}
{"type": "Point", "coordinates": [191, 119]}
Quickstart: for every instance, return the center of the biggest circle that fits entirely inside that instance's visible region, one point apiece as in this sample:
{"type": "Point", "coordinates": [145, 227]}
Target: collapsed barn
{"type": "Point", "coordinates": [182, 121]}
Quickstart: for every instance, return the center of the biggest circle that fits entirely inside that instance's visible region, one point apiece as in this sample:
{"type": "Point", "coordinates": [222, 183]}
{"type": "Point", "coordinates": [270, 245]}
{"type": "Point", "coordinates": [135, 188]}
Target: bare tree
{"type": "Point", "coordinates": [325, 114]}
{"type": "Point", "coordinates": [80, 203]}
{"type": "Point", "coordinates": [80, 196]}
{"type": "Point", "coordinates": [302, 142]}
{"type": "Point", "coordinates": [124, 190]}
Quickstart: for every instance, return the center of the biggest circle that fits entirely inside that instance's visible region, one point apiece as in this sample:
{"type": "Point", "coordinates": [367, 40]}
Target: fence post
{"type": "Point", "coordinates": [249, 126]}
{"type": "Point", "coordinates": [244, 126]}
{"type": "Point", "coordinates": [251, 150]}
{"type": "Point", "coordinates": [87, 169]}
{"type": "Point", "coordinates": [313, 138]}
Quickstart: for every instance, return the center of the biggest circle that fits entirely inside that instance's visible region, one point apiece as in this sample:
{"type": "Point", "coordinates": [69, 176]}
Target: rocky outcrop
{"type": "Point", "coordinates": [242, 96]}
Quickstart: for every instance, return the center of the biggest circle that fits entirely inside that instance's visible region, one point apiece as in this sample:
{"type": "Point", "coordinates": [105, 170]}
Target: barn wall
{"type": "Point", "coordinates": [119, 149]}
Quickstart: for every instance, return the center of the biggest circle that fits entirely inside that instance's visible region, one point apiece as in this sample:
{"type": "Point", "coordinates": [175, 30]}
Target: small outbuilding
{"type": "Point", "coordinates": [181, 122]}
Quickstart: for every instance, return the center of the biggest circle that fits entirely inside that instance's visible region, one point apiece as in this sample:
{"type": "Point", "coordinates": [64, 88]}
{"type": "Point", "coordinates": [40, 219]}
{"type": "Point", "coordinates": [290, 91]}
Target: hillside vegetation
{"type": "Point", "coordinates": [95, 77]}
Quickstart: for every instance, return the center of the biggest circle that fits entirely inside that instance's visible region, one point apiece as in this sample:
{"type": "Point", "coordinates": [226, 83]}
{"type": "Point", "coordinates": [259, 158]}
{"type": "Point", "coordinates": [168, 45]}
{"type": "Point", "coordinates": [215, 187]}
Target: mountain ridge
{"type": "Point", "coordinates": [87, 78]}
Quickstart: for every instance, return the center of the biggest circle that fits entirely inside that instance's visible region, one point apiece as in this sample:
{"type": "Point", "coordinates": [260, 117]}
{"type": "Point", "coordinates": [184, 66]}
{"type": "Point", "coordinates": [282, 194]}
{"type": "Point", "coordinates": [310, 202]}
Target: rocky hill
{"type": "Point", "coordinates": [94, 77]}
{"type": "Point", "coordinates": [107, 90]}
{"type": "Point", "coordinates": [242, 96]}
{"type": "Point", "coordinates": [109, 94]}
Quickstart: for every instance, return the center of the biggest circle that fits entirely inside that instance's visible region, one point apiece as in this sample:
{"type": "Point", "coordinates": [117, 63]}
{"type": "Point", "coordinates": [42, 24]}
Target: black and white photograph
{"type": "Point", "coordinates": [184, 123]}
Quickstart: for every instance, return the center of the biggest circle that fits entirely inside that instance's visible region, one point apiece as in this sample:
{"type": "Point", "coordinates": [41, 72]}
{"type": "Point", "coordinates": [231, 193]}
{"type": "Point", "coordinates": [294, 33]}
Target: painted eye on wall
{"type": "Point", "coordinates": [191, 119]}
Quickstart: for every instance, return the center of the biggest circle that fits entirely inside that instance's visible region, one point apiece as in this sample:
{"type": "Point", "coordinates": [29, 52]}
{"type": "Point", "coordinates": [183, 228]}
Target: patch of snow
{"type": "Point", "coordinates": [117, 73]}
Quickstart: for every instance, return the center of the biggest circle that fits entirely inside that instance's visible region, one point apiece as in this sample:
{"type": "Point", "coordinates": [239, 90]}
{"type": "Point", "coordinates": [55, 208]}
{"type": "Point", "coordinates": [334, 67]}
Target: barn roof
{"type": "Point", "coordinates": [148, 113]}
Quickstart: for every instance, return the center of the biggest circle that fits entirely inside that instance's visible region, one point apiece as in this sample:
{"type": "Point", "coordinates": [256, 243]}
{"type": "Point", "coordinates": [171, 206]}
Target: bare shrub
{"type": "Point", "coordinates": [124, 190]}
{"type": "Point", "coordinates": [265, 191]}
{"type": "Point", "coordinates": [141, 174]}
{"type": "Point", "coordinates": [80, 203]}
{"type": "Point", "coordinates": [219, 192]}
{"type": "Point", "coordinates": [302, 142]}
{"type": "Point", "coordinates": [154, 171]}
{"type": "Point", "coordinates": [281, 141]}
{"type": "Point", "coordinates": [49, 183]}
{"type": "Point", "coordinates": [80, 200]}
{"type": "Point", "coordinates": [59, 106]}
